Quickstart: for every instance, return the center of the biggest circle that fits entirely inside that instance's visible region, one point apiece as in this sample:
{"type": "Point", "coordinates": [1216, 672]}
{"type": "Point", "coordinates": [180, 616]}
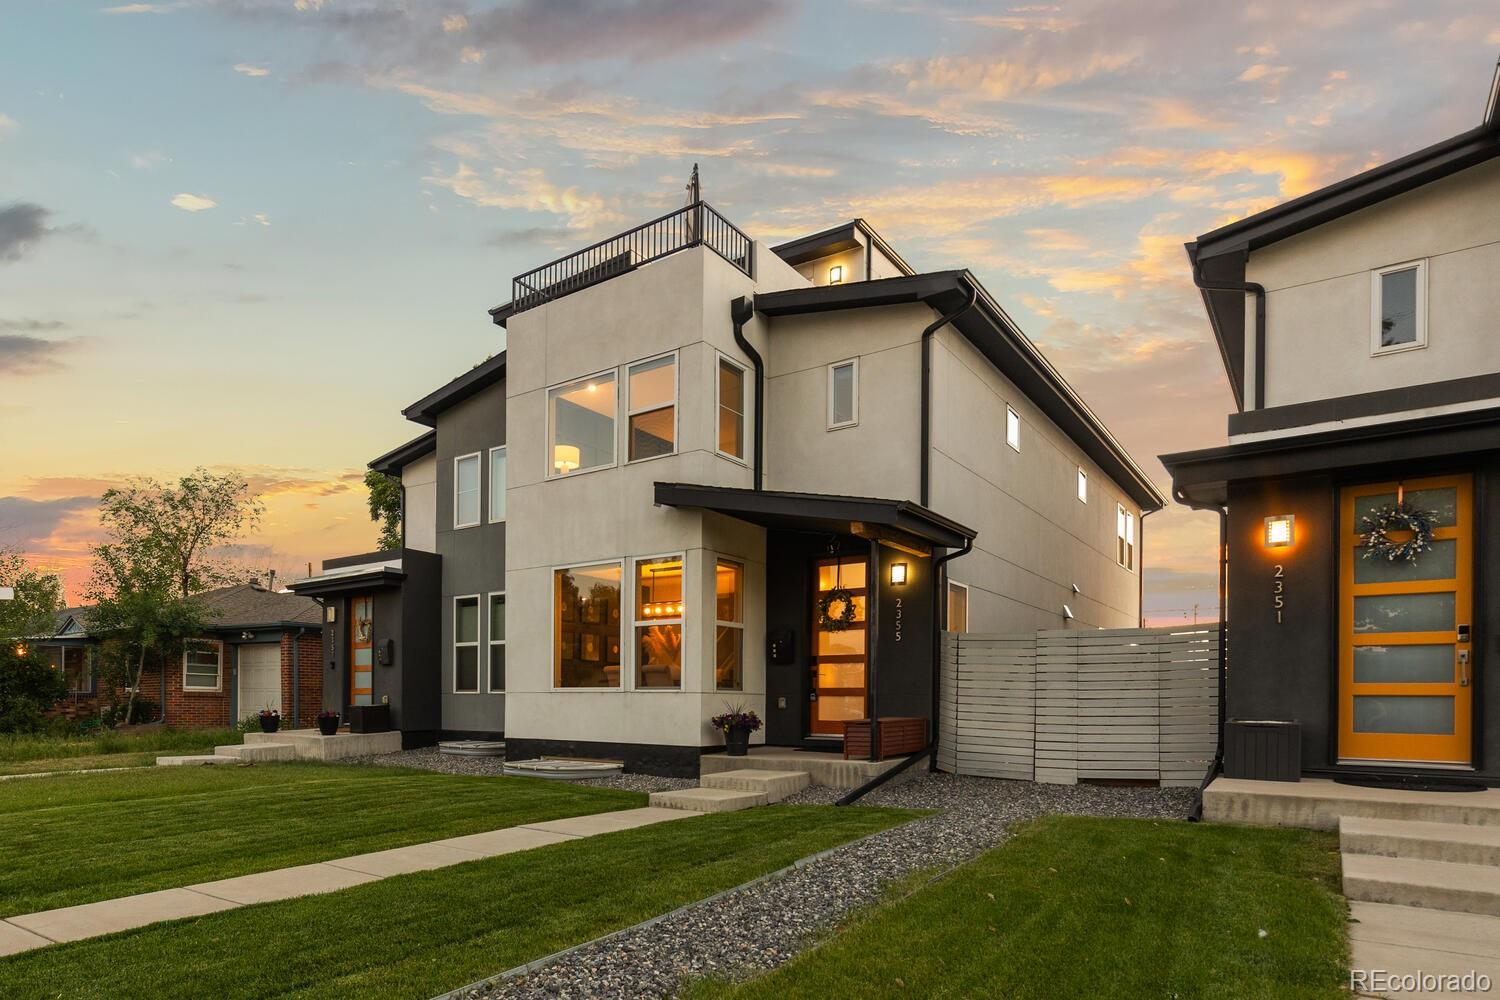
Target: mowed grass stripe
{"type": "Point", "coordinates": [92, 837]}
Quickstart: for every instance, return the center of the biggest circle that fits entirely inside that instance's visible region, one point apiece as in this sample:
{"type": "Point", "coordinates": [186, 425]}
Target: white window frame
{"type": "Point", "coordinates": [1377, 310]}
{"type": "Point", "coordinates": [548, 471]}
{"type": "Point", "coordinates": [1125, 548]}
{"type": "Point", "coordinates": [491, 642]}
{"type": "Point", "coordinates": [490, 471]}
{"type": "Point", "coordinates": [721, 623]}
{"type": "Point", "coordinates": [745, 446]}
{"type": "Point", "coordinates": [675, 404]}
{"type": "Point", "coordinates": [854, 407]}
{"type": "Point", "coordinates": [636, 622]}
{"type": "Point", "coordinates": [219, 648]}
{"type": "Point", "coordinates": [1083, 485]}
{"type": "Point", "coordinates": [1012, 428]}
{"type": "Point", "coordinates": [479, 607]}
{"type": "Point", "coordinates": [554, 628]}
{"type": "Point", "coordinates": [478, 486]}
{"type": "Point", "coordinates": [965, 588]}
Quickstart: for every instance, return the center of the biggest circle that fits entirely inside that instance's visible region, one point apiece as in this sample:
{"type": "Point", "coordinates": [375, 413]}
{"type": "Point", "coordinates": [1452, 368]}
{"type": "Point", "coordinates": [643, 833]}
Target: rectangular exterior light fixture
{"type": "Point", "coordinates": [898, 574]}
{"type": "Point", "coordinates": [836, 274]}
{"type": "Point", "coordinates": [1280, 530]}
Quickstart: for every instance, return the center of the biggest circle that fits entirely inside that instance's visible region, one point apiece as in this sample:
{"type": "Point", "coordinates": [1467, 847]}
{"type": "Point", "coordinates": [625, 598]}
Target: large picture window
{"type": "Point", "coordinates": [466, 645]}
{"type": "Point", "coordinates": [581, 425]}
{"type": "Point", "coordinates": [658, 622]}
{"type": "Point", "coordinates": [731, 392]}
{"type": "Point", "coordinates": [729, 626]}
{"type": "Point", "coordinates": [202, 665]}
{"type": "Point", "coordinates": [586, 626]}
{"type": "Point", "coordinates": [74, 662]}
{"type": "Point", "coordinates": [497, 643]}
{"type": "Point", "coordinates": [466, 491]}
{"type": "Point", "coordinates": [497, 485]}
{"type": "Point", "coordinates": [653, 408]}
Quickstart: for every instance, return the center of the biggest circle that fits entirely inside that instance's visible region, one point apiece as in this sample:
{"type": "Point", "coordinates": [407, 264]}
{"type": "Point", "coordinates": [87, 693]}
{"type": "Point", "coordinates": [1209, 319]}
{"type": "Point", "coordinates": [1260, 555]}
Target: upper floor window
{"type": "Point", "coordinates": [731, 401]}
{"type": "Point", "coordinates": [1083, 486]}
{"type": "Point", "coordinates": [1398, 307]}
{"type": "Point", "coordinates": [652, 407]}
{"type": "Point", "coordinates": [581, 425]}
{"type": "Point", "coordinates": [497, 484]}
{"type": "Point", "coordinates": [466, 491]}
{"type": "Point", "coordinates": [958, 607]}
{"type": "Point", "coordinates": [1013, 428]}
{"type": "Point", "coordinates": [843, 394]}
{"type": "Point", "coordinates": [1125, 534]}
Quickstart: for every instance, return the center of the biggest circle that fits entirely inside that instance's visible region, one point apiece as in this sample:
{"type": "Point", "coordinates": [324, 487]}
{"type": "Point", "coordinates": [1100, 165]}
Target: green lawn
{"type": "Point", "coordinates": [79, 838]}
{"type": "Point", "coordinates": [34, 754]}
{"type": "Point", "coordinates": [1077, 907]}
{"type": "Point", "coordinates": [423, 934]}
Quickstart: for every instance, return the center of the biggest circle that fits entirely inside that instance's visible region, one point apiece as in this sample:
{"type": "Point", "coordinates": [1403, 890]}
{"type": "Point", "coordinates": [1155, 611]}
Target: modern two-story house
{"type": "Point", "coordinates": [709, 472]}
{"type": "Point", "coordinates": [1361, 482]}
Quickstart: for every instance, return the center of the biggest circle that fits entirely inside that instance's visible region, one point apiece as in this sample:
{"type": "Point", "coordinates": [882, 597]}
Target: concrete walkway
{"type": "Point", "coordinates": [74, 923]}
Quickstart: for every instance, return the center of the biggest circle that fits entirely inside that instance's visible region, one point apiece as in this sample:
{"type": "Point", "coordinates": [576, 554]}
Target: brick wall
{"type": "Point", "coordinates": [310, 679]}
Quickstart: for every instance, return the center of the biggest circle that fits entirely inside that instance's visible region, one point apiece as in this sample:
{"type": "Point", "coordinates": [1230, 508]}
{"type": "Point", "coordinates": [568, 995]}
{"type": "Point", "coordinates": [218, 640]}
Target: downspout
{"type": "Point", "coordinates": [1259, 291]}
{"type": "Point", "coordinates": [932, 328]}
{"type": "Point", "coordinates": [1218, 762]}
{"type": "Point", "coordinates": [741, 311]}
{"type": "Point", "coordinates": [1140, 570]}
{"type": "Point", "coordinates": [939, 619]}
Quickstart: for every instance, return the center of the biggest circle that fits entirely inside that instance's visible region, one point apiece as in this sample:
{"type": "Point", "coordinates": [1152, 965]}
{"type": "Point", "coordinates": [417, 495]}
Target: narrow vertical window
{"type": "Point", "coordinates": [658, 622]}
{"type": "Point", "coordinates": [1083, 486]}
{"type": "Point", "coordinates": [958, 607]}
{"type": "Point", "coordinates": [497, 643]}
{"type": "Point", "coordinates": [843, 394]}
{"type": "Point", "coordinates": [1013, 428]}
{"type": "Point", "coordinates": [586, 626]}
{"type": "Point", "coordinates": [729, 626]}
{"type": "Point", "coordinates": [653, 408]}
{"type": "Point", "coordinates": [581, 425]}
{"type": "Point", "coordinates": [497, 484]}
{"type": "Point", "coordinates": [1398, 307]}
{"type": "Point", "coordinates": [466, 645]}
{"type": "Point", "coordinates": [1125, 532]}
{"type": "Point", "coordinates": [731, 393]}
{"type": "Point", "coordinates": [466, 491]}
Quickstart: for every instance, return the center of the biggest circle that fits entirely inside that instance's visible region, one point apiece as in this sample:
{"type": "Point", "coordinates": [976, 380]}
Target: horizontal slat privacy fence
{"type": "Point", "coordinates": [1069, 706]}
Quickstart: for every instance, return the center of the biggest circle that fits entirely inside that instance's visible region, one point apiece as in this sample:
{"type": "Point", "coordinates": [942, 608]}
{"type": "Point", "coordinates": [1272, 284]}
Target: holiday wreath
{"type": "Point", "coordinates": [1375, 532]}
{"type": "Point", "coordinates": [836, 610]}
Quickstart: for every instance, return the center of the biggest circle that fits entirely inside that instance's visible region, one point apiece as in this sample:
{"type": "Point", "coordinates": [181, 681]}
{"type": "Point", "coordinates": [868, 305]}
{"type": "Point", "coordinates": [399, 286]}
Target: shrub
{"type": "Point", "coordinates": [249, 724]}
{"type": "Point", "coordinates": [144, 710]}
{"type": "Point", "coordinates": [28, 687]}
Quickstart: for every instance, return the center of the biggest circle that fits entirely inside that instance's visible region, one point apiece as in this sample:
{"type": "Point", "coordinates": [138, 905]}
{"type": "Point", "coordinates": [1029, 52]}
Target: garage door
{"type": "Point", "coordinates": [260, 677]}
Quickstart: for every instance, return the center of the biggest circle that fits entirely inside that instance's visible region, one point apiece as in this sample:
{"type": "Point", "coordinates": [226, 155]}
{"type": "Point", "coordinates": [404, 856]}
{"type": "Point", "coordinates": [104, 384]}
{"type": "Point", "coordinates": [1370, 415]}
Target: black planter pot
{"type": "Point", "coordinates": [270, 723]}
{"type": "Point", "coordinates": [737, 742]}
{"type": "Point", "coordinates": [328, 725]}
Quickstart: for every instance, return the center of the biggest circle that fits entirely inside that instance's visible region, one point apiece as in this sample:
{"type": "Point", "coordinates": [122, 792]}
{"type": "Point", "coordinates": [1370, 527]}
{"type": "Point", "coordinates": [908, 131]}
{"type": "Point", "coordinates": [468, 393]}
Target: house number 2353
{"type": "Point", "coordinates": [1278, 588]}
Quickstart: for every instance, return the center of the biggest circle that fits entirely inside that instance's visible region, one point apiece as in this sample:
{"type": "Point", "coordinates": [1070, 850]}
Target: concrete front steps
{"type": "Point", "coordinates": [1319, 804]}
{"type": "Point", "coordinates": [1439, 866]}
{"type": "Point", "coordinates": [729, 791]}
{"type": "Point", "coordinates": [822, 768]}
{"type": "Point", "coordinates": [294, 744]}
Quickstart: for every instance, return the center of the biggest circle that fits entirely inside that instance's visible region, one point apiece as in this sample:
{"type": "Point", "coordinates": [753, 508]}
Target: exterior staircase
{"type": "Point", "coordinates": [293, 744]}
{"type": "Point", "coordinates": [728, 791]}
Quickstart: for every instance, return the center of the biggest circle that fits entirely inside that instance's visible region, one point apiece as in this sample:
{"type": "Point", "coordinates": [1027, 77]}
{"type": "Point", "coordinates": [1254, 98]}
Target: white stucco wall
{"type": "Point", "coordinates": [420, 482]}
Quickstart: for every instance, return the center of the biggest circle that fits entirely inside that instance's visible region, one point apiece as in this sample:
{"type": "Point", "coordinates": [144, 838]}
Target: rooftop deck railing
{"type": "Point", "coordinates": [693, 225]}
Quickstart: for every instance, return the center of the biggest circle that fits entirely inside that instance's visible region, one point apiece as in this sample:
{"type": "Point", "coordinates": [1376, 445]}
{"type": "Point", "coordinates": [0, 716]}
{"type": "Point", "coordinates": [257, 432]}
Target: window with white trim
{"type": "Point", "coordinates": [731, 407]}
{"type": "Point", "coordinates": [497, 643]}
{"type": "Point", "coordinates": [958, 607]}
{"type": "Point", "coordinates": [843, 394]}
{"type": "Point", "coordinates": [1083, 486]}
{"type": "Point", "coordinates": [652, 408]}
{"type": "Point", "coordinates": [466, 491]}
{"type": "Point", "coordinates": [466, 644]}
{"type": "Point", "coordinates": [581, 425]}
{"type": "Point", "coordinates": [729, 626]}
{"type": "Point", "coordinates": [658, 622]}
{"type": "Point", "coordinates": [497, 484]}
{"type": "Point", "coordinates": [1125, 534]}
{"type": "Point", "coordinates": [1398, 307]}
{"type": "Point", "coordinates": [202, 665]}
{"type": "Point", "coordinates": [1013, 428]}
{"type": "Point", "coordinates": [586, 626]}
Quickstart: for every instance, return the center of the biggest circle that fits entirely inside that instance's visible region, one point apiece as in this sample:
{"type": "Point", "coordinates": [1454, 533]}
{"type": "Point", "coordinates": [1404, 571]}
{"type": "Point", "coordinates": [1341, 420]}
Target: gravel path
{"type": "Point", "coordinates": [761, 927]}
{"type": "Point", "coordinates": [429, 759]}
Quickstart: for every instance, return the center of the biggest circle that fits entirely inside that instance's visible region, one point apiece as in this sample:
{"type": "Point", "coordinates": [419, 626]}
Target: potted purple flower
{"type": "Point", "coordinates": [328, 722]}
{"type": "Point", "coordinates": [270, 720]}
{"type": "Point", "coordinates": [736, 724]}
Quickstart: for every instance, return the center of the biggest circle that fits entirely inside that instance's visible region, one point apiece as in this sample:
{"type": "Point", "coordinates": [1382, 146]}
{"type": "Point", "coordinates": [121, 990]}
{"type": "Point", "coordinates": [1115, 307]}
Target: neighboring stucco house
{"type": "Point", "coordinates": [1358, 328]}
{"type": "Point", "coordinates": [261, 649]}
{"type": "Point", "coordinates": [706, 472]}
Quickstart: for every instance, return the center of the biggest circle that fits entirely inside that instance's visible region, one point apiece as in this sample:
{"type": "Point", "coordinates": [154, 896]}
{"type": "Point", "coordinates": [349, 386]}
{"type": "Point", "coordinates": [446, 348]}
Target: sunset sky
{"type": "Point", "coordinates": [244, 234]}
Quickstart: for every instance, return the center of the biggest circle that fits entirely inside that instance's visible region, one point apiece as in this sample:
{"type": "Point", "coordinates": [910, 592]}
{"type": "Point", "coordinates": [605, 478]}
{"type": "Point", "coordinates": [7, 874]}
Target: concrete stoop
{"type": "Point", "coordinates": [822, 768]}
{"type": "Point", "coordinates": [1458, 843]}
{"type": "Point", "coordinates": [1435, 885]}
{"type": "Point", "coordinates": [708, 800]}
{"type": "Point", "coordinates": [258, 751]}
{"type": "Point", "coordinates": [775, 785]}
{"type": "Point", "coordinates": [191, 759]}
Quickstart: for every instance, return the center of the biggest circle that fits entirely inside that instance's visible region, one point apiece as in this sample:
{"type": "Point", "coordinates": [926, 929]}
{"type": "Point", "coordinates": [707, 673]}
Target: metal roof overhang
{"type": "Point", "coordinates": [343, 583]}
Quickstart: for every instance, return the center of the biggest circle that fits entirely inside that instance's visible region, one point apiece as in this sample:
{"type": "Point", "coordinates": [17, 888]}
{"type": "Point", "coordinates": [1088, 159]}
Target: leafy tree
{"type": "Point", "coordinates": [28, 687]}
{"type": "Point", "coordinates": [38, 598]}
{"type": "Point", "coordinates": [385, 507]}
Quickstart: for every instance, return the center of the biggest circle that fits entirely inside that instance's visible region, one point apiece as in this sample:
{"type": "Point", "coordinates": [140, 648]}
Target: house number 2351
{"type": "Point", "coordinates": [1278, 595]}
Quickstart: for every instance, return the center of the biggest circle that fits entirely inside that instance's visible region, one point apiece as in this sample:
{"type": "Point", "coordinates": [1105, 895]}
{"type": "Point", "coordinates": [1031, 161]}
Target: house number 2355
{"type": "Point", "coordinates": [898, 619]}
{"type": "Point", "coordinates": [1278, 595]}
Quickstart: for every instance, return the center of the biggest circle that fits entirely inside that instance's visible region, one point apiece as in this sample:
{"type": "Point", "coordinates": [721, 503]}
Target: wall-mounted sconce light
{"type": "Point", "coordinates": [836, 274]}
{"type": "Point", "coordinates": [247, 635]}
{"type": "Point", "coordinates": [330, 614]}
{"type": "Point", "coordinates": [898, 574]}
{"type": "Point", "coordinates": [20, 649]}
{"type": "Point", "coordinates": [1076, 591]}
{"type": "Point", "coordinates": [1067, 613]}
{"type": "Point", "coordinates": [1280, 530]}
{"type": "Point", "coordinates": [565, 458]}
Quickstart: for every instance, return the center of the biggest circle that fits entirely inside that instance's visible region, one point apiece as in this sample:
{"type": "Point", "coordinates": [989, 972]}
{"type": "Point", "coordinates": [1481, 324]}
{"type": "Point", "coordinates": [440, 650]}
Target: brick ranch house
{"type": "Point", "coordinates": [262, 649]}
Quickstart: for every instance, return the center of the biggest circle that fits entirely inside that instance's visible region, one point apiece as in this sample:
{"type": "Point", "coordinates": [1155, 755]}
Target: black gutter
{"type": "Point", "coordinates": [932, 328]}
{"type": "Point", "coordinates": [940, 619]}
{"type": "Point", "coordinates": [849, 798]}
{"type": "Point", "coordinates": [741, 311]}
{"type": "Point", "coordinates": [1259, 292]}
{"type": "Point", "coordinates": [1218, 762]}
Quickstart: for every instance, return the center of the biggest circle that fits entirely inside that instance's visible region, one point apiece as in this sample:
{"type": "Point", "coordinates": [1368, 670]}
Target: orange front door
{"type": "Point", "coordinates": [361, 650]}
{"type": "Point", "coordinates": [840, 660]}
{"type": "Point", "coordinates": [1406, 664]}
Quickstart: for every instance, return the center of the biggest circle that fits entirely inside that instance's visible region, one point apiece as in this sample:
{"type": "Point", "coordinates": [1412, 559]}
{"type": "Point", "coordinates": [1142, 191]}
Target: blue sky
{"type": "Point", "coordinates": [223, 225]}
